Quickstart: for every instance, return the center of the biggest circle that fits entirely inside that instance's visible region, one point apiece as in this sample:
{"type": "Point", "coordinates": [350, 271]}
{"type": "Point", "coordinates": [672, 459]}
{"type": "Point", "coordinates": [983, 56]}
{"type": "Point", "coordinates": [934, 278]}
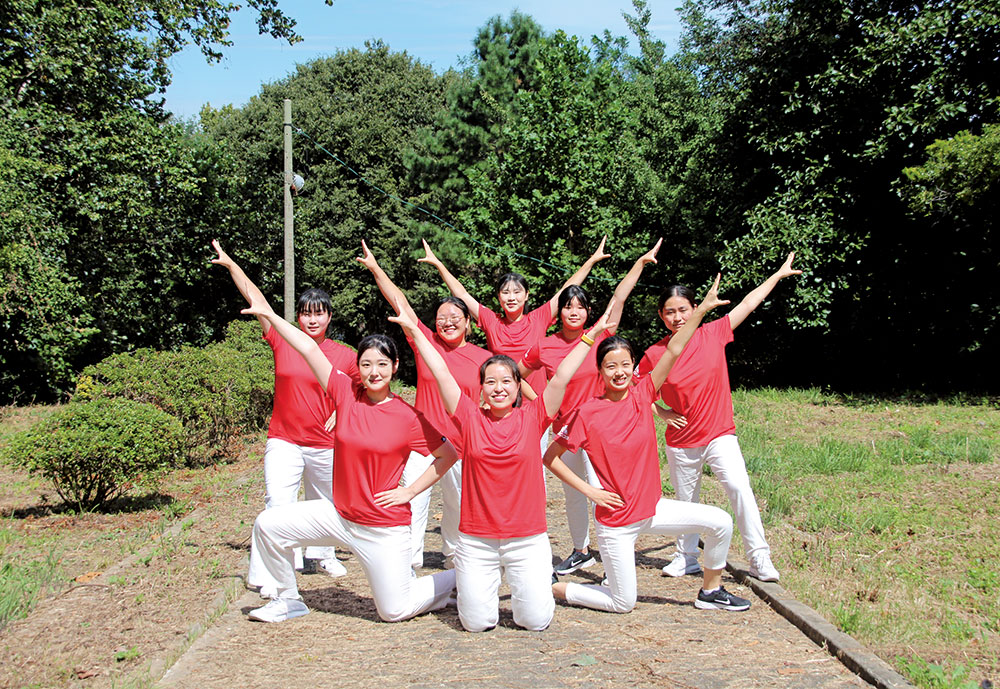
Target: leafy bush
{"type": "Point", "coordinates": [217, 392]}
{"type": "Point", "coordinates": [96, 451]}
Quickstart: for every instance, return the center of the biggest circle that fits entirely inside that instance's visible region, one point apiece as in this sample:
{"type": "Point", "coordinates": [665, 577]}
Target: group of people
{"type": "Point", "coordinates": [480, 426]}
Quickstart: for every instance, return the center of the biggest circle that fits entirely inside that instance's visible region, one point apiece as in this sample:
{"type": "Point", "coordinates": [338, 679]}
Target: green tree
{"type": "Point", "coordinates": [480, 100]}
{"type": "Point", "coordinates": [103, 207]}
{"type": "Point", "coordinates": [367, 108]}
{"type": "Point", "coordinates": [829, 103]}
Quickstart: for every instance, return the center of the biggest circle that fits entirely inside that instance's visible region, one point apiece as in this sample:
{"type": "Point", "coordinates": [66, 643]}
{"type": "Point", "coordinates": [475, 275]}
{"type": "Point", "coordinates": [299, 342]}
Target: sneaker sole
{"type": "Point", "coordinates": [289, 616]}
{"type": "Point", "coordinates": [705, 605]}
{"type": "Point", "coordinates": [758, 577]}
{"type": "Point", "coordinates": [569, 570]}
{"type": "Point", "coordinates": [688, 571]}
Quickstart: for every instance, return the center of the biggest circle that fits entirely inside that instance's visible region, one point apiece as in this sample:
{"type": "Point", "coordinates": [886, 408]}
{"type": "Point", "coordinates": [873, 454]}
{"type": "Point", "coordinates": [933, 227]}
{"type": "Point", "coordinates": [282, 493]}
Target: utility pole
{"type": "Point", "coordinates": [289, 219]}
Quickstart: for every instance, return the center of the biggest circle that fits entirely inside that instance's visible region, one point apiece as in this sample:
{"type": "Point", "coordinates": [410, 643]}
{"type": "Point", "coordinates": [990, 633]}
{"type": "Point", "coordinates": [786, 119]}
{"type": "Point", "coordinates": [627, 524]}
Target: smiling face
{"type": "Point", "coordinates": [574, 315]}
{"type": "Point", "coordinates": [513, 296]}
{"type": "Point", "coordinates": [376, 370]}
{"type": "Point", "coordinates": [675, 313]}
{"type": "Point", "coordinates": [314, 323]}
{"type": "Point", "coordinates": [616, 370]}
{"type": "Point", "coordinates": [451, 323]}
{"type": "Point", "coordinates": [500, 387]}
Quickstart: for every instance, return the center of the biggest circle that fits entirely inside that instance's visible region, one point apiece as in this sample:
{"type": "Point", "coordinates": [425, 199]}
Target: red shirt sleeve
{"type": "Point", "coordinates": [424, 438]}
{"type": "Point", "coordinates": [533, 357]}
{"type": "Point", "coordinates": [339, 388]}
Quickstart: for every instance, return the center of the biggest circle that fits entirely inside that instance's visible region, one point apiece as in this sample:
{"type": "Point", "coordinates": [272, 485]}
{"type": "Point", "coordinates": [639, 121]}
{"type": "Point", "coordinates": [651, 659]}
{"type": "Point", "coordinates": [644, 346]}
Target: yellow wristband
{"type": "Point", "coordinates": [587, 339]}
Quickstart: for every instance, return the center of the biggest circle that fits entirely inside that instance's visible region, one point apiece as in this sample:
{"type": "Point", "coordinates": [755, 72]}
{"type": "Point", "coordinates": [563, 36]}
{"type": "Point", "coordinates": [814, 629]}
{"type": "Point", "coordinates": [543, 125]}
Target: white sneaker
{"type": "Point", "coordinates": [333, 567]}
{"type": "Point", "coordinates": [279, 610]}
{"type": "Point", "coordinates": [762, 568]}
{"type": "Point", "coordinates": [682, 564]}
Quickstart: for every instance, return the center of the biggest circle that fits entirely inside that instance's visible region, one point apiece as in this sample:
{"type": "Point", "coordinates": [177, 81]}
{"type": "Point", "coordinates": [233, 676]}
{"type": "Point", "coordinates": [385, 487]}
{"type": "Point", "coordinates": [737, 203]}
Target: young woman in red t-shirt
{"type": "Point", "coordinates": [618, 433]}
{"type": "Point", "coordinates": [545, 355]}
{"type": "Point", "coordinates": [513, 332]}
{"type": "Point", "coordinates": [376, 432]}
{"type": "Point", "coordinates": [299, 449]}
{"type": "Point", "coordinates": [502, 528]}
{"type": "Point", "coordinates": [700, 425]}
{"type": "Point", "coordinates": [451, 321]}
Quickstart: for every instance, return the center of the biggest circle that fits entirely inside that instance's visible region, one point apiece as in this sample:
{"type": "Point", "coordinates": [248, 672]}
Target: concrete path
{"type": "Point", "coordinates": [664, 642]}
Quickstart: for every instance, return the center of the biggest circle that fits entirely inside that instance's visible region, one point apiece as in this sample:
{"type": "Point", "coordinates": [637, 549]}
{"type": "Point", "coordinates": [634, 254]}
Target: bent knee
{"type": "Point", "coordinates": [477, 624]}
{"type": "Point", "coordinates": [622, 605]}
{"type": "Point", "coordinates": [535, 620]}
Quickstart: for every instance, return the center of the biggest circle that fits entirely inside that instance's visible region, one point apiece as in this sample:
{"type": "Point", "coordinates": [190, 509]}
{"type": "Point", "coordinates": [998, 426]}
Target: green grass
{"type": "Point", "coordinates": [883, 515]}
{"type": "Point", "coordinates": [21, 581]}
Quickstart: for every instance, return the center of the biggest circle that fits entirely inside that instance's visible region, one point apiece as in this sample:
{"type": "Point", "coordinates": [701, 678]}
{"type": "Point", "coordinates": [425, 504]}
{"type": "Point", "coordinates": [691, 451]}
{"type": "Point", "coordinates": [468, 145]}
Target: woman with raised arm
{"type": "Point", "coordinates": [299, 448]}
{"type": "Point", "coordinates": [502, 528]}
{"type": "Point", "coordinates": [451, 324]}
{"type": "Point", "coordinates": [376, 432]}
{"type": "Point", "coordinates": [545, 355]}
{"type": "Point", "coordinates": [513, 332]}
{"type": "Point", "coordinates": [618, 433]}
{"type": "Point", "coordinates": [700, 425]}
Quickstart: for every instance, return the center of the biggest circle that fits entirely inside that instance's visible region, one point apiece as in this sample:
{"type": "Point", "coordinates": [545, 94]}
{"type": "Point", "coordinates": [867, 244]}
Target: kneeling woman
{"type": "Point", "coordinates": [502, 525]}
{"type": "Point", "coordinates": [376, 431]}
{"type": "Point", "coordinates": [618, 434]}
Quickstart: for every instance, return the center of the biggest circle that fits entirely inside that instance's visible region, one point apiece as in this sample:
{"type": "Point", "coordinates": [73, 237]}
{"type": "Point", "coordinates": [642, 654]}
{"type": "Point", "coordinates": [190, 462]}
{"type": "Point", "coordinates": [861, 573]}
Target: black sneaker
{"type": "Point", "coordinates": [555, 579]}
{"type": "Point", "coordinates": [720, 599]}
{"type": "Point", "coordinates": [575, 561]}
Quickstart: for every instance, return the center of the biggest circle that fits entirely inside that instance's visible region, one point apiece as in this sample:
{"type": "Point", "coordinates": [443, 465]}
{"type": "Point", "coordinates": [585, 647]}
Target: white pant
{"type": "Point", "coordinates": [617, 546]}
{"type": "Point", "coordinates": [419, 506]}
{"type": "Point", "coordinates": [384, 553]}
{"type": "Point", "coordinates": [577, 505]}
{"type": "Point", "coordinates": [726, 461]}
{"type": "Point", "coordinates": [527, 564]}
{"type": "Point", "coordinates": [451, 497]}
{"type": "Point", "coordinates": [285, 466]}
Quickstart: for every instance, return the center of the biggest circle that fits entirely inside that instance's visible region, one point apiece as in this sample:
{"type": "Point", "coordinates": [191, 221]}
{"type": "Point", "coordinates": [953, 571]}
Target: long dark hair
{"type": "Point", "coordinates": [677, 291]}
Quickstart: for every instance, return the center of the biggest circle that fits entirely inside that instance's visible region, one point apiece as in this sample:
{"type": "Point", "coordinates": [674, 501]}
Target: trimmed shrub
{"type": "Point", "coordinates": [96, 451]}
{"type": "Point", "coordinates": [218, 392]}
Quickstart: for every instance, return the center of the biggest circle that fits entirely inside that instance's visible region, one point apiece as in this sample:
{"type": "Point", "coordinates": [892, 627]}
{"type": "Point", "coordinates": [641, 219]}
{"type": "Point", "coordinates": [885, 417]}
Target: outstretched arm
{"type": "Point", "coordinates": [599, 496]}
{"type": "Point", "coordinates": [454, 286]}
{"type": "Point", "coordinates": [628, 283]}
{"type": "Point", "coordinates": [556, 389]}
{"type": "Point", "coordinates": [450, 392]}
{"type": "Point", "coordinates": [386, 286]}
{"type": "Point", "coordinates": [446, 458]}
{"type": "Point", "coordinates": [757, 297]}
{"type": "Point", "coordinates": [300, 342]}
{"type": "Point", "coordinates": [243, 283]}
{"type": "Point", "coordinates": [683, 336]}
{"type": "Point", "coordinates": [580, 275]}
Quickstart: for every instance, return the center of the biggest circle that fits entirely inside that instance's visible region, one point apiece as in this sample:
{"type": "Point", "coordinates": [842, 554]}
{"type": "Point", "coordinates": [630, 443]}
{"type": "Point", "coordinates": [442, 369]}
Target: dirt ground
{"type": "Point", "coordinates": [141, 595]}
{"type": "Point", "coordinates": [664, 642]}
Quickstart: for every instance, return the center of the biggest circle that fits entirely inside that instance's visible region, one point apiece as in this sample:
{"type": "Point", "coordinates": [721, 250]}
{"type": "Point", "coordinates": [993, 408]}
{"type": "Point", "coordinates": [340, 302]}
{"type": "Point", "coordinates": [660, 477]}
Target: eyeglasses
{"type": "Point", "coordinates": [449, 320]}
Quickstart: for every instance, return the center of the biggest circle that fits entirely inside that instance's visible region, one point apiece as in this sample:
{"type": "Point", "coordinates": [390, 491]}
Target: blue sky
{"type": "Point", "coordinates": [437, 32]}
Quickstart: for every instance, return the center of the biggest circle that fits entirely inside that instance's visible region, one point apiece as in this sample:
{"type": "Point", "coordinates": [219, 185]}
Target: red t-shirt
{"type": "Point", "coordinates": [698, 385]}
{"type": "Point", "coordinates": [548, 353]}
{"type": "Point", "coordinates": [503, 487]}
{"type": "Point", "coordinates": [514, 339]}
{"type": "Point", "coordinates": [373, 443]}
{"type": "Point", "coordinates": [620, 439]}
{"type": "Point", "coordinates": [464, 363]}
{"type": "Point", "coordinates": [300, 406]}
